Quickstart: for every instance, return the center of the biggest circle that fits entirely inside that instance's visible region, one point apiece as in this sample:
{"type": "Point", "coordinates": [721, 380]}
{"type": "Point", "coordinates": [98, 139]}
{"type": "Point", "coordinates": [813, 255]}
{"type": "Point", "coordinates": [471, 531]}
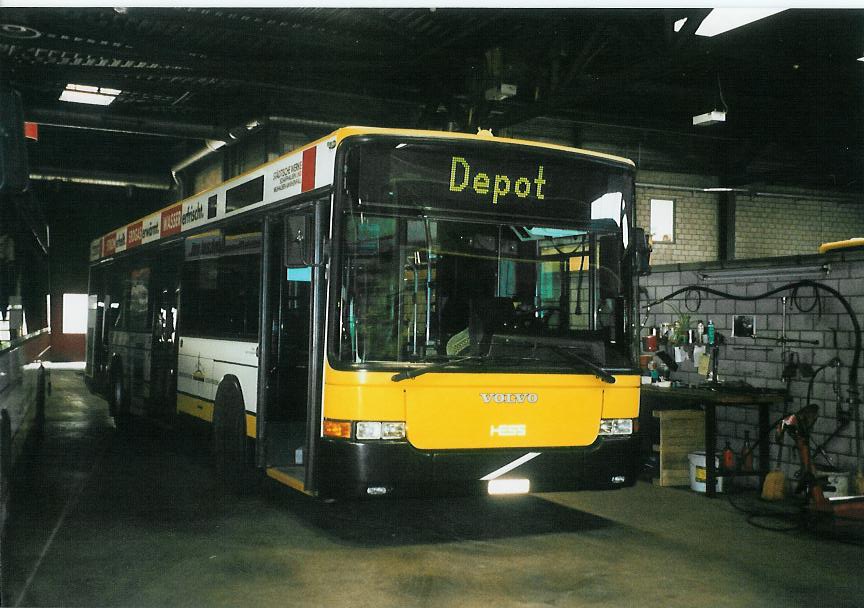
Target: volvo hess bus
{"type": "Point", "coordinates": [387, 312]}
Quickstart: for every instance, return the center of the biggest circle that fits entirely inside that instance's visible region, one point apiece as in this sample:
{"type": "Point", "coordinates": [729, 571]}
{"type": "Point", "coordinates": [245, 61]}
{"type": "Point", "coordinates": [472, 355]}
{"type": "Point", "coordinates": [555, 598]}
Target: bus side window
{"type": "Point", "coordinates": [114, 304]}
{"type": "Point", "coordinates": [238, 296]}
{"type": "Point", "coordinates": [199, 289]}
{"type": "Point", "coordinates": [165, 311]}
{"type": "Point", "coordinates": [609, 286]}
{"type": "Point", "coordinates": [221, 287]}
{"type": "Point", "coordinates": [137, 301]}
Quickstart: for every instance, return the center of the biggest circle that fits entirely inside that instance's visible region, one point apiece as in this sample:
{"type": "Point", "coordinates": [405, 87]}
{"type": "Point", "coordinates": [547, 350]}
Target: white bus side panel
{"type": "Point", "coordinates": [203, 362]}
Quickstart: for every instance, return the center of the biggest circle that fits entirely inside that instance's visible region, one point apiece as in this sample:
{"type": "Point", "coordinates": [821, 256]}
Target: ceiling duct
{"type": "Point", "coordinates": [114, 180]}
{"type": "Point", "coordinates": [244, 130]}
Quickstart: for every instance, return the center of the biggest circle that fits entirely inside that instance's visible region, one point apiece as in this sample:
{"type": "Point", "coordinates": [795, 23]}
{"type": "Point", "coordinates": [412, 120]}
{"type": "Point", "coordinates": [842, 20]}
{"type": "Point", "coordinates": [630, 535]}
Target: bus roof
{"type": "Point", "coordinates": [298, 171]}
{"type": "Point", "coordinates": [483, 135]}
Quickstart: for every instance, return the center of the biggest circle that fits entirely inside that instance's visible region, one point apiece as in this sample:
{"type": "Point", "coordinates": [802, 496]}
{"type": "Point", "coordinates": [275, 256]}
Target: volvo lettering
{"type": "Point", "coordinates": [509, 397]}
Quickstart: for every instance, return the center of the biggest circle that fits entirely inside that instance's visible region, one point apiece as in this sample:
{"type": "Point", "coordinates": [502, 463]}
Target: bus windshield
{"type": "Point", "coordinates": [431, 271]}
{"type": "Point", "coordinates": [429, 290]}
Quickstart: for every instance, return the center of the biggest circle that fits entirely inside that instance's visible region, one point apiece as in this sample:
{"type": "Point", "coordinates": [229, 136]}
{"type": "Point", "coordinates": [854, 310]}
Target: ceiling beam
{"type": "Point", "coordinates": [124, 124]}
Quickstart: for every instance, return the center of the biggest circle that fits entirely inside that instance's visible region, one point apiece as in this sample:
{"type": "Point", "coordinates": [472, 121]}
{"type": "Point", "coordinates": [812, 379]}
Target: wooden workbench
{"type": "Point", "coordinates": [709, 398]}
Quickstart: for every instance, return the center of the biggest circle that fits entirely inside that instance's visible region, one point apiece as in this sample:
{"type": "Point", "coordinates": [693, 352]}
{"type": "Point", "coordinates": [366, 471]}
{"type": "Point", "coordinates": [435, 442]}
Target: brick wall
{"type": "Point", "coordinates": [760, 362]}
{"type": "Point", "coordinates": [765, 226]}
{"type": "Point", "coordinates": [696, 224]}
{"type": "Point", "coordinates": [769, 226]}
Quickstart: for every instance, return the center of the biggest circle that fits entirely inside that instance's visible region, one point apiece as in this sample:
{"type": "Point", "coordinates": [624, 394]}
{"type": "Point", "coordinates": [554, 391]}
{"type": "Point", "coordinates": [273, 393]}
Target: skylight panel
{"type": "Point", "coordinates": [83, 93]}
{"type": "Point", "coordinates": [721, 20]}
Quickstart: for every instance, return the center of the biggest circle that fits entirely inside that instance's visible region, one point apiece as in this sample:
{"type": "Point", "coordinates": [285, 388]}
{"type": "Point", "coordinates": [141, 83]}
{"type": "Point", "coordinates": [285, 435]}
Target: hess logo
{"type": "Point", "coordinates": [509, 397]}
{"type": "Point", "coordinates": [508, 430]}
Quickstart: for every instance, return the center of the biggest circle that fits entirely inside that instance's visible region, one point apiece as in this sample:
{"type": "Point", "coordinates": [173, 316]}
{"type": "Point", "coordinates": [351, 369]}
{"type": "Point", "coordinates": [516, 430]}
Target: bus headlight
{"type": "Point", "coordinates": [616, 426]}
{"type": "Point", "coordinates": [368, 430]}
{"type": "Point", "coordinates": [392, 430]}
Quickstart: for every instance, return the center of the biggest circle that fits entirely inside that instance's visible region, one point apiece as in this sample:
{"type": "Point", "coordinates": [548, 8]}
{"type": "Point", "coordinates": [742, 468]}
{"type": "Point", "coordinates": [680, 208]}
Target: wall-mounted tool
{"type": "Point", "coordinates": [790, 366]}
{"type": "Point", "coordinates": [783, 338]}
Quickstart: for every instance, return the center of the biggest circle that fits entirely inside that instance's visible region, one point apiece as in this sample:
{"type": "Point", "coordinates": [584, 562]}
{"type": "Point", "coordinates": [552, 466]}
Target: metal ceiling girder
{"type": "Point", "coordinates": [125, 124]}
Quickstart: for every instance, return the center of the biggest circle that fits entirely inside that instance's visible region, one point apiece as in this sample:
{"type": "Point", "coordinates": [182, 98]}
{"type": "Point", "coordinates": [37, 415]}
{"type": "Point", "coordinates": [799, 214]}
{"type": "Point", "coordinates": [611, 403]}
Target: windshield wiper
{"type": "Point", "coordinates": [556, 345]}
{"type": "Point", "coordinates": [598, 371]}
{"type": "Point", "coordinates": [413, 373]}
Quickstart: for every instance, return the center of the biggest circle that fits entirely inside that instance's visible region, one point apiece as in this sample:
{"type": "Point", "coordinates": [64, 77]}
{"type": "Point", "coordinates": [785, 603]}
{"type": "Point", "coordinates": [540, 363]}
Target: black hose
{"type": "Point", "coordinates": [816, 301]}
{"type": "Point", "coordinates": [753, 515]}
{"type": "Point", "coordinates": [687, 301]}
{"type": "Point", "coordinates": [856, 357]}
{"type": "Point", "coordinates": [813, 379]}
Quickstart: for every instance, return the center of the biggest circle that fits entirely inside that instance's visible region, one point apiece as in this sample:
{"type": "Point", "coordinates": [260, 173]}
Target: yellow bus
{"type": "Point", "coordinates": [387, 312]}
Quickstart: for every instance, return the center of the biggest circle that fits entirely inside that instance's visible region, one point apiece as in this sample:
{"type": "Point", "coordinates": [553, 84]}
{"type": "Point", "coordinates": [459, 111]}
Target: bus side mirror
{"type": "Point", "coordinates": [642, 252]}
{"type": "Point", "coordinates": [298, 243]}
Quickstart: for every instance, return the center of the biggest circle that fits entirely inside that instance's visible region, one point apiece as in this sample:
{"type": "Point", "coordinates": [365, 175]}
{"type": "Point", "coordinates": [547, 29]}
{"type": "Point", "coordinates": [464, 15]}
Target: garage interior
{"type": "Point", "coordinates": [749, 149]}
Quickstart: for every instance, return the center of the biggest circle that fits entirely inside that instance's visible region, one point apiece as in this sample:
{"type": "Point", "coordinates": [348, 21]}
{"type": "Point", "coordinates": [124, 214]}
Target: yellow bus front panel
{"type": "Point", "coordinates": [460, 428]}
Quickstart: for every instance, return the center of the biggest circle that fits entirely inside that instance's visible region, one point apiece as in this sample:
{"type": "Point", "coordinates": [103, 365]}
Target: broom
{"type": "Point", "coordinates": [774, 486]}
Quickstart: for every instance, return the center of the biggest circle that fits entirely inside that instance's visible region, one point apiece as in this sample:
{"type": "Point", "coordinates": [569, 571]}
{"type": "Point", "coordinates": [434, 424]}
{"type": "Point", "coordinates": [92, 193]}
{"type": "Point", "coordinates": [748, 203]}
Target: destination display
{"type": "Point", "coordinates": [480, 178]}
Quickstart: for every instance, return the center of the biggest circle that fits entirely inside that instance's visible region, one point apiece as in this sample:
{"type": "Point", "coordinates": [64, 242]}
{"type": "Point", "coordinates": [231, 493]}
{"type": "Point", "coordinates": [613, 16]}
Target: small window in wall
{"type": "Point", "coordinates": [662, 220]}
{"type": "Point", "coordinates": [74, 313]}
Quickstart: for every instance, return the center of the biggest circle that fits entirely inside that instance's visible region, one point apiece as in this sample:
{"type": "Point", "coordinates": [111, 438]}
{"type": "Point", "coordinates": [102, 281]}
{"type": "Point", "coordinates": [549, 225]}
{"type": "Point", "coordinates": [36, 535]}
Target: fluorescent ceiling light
{"type": "Point", "coordinates": [679, 24]}
{"type": "Point", "coordinates": [746, 275]}
{"type": "Point", "coordinates": [82, 93]}
{"type": "Point", "coordinates": [91, 98]}
{"type": "Point", "coordinates": [721, 20]}
{"type": "Point", "coordinates": [861, 59]}
{"type": "Point", "coordinates": [709, 118]}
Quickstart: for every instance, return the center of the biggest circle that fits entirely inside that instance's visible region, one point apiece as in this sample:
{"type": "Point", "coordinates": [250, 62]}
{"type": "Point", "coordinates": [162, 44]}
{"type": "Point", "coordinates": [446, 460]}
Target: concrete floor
{"type": "Point", "coordinates": [101, 521]}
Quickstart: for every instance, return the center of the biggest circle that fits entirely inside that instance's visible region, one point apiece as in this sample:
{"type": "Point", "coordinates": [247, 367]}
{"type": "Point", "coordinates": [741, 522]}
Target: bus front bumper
{"type": "Point", "coordinates": [349, 468]}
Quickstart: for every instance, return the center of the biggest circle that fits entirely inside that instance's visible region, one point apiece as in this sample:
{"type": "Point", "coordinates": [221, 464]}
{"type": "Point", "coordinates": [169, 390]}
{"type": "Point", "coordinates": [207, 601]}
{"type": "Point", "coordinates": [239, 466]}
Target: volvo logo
{"type": "Point", "coordinates": [509, 397]}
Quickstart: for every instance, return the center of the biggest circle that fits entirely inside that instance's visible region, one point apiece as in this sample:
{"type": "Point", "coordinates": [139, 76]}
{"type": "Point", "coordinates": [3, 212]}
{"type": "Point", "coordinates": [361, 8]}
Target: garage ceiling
{"type": "Point", "coordinates": [620, 79]}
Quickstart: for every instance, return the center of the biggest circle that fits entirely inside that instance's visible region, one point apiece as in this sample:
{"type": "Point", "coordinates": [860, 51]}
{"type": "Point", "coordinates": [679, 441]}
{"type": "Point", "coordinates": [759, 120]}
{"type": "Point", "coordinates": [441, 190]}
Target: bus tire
{"type": "Point", "coordinates": [233, 450]}
{"type": "Point", "coordinates": [119, 405]}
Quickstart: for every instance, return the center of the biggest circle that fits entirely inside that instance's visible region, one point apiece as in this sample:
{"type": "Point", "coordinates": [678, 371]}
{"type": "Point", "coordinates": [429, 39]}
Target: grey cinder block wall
{"type": "Point", "coordinates": [760, 362]}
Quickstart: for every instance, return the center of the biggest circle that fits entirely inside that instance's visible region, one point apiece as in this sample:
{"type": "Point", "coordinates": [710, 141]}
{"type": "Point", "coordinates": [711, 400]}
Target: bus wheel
{"type": "Point", "coordinates": [233, 451]}
{"type": "Point", "coordinates": [119, 406]}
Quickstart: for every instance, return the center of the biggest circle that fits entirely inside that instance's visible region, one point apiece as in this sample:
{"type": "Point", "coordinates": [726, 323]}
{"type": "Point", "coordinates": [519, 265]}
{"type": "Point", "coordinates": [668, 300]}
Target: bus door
{"type": "Point", "coordinates": [289, 294]}
{"type": "Point", "coordinates": [95, 354]}
{"type": "Point", "coordinates": [163, 354]}
{"type": "Point", "coordinates": [110, 290]}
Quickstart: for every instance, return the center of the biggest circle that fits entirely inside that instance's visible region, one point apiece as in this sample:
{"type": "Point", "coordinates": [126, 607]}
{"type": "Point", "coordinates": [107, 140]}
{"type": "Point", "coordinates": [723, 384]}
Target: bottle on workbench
{"type": "Point", "coordinates": [710, 332]}
{"type": "Point", "coordinates": [728, 457]}
{"type": "Point", "coordinates": [747, 454]}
